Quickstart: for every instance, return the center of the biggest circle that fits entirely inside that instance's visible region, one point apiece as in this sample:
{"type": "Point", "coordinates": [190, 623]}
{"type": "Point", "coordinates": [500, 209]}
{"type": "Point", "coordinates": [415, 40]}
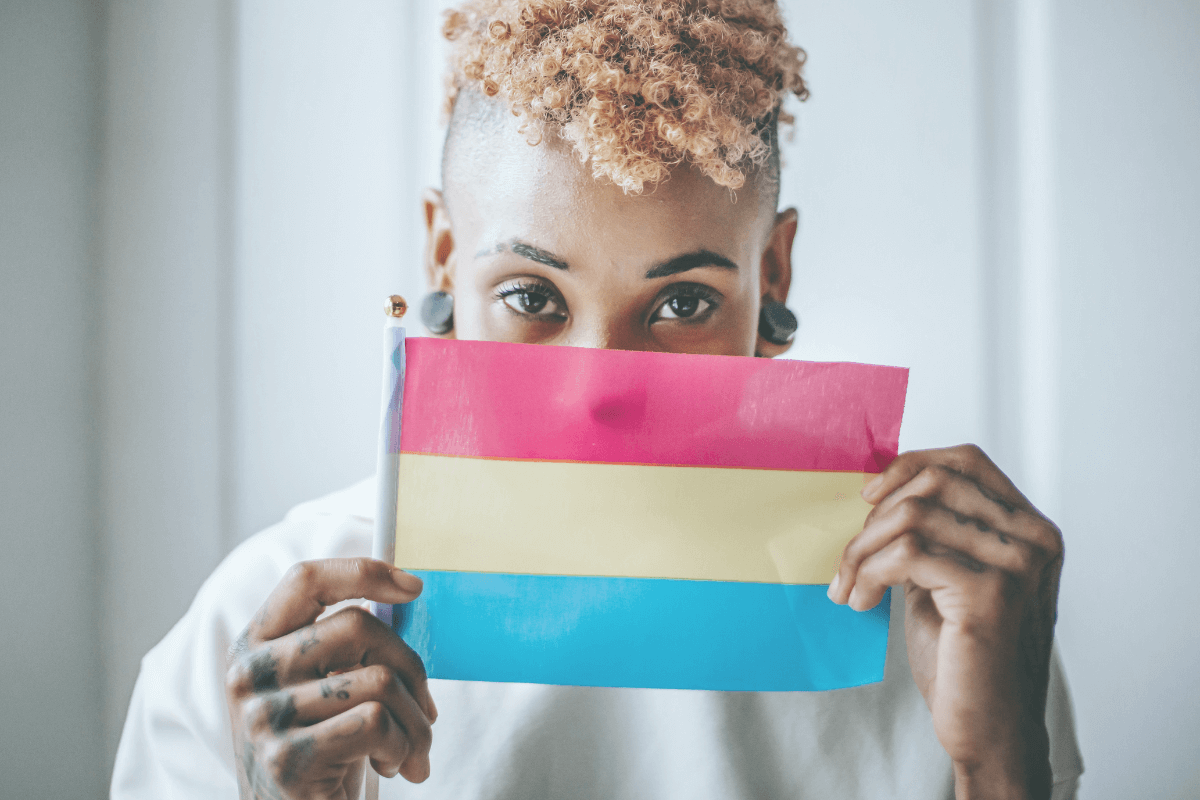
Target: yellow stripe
{"type": "Point", "coordinates": [560, 518]}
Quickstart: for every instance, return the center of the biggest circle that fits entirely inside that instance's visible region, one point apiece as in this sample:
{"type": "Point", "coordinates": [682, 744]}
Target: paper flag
{"type": "Point", "coordinates": [612, 518]}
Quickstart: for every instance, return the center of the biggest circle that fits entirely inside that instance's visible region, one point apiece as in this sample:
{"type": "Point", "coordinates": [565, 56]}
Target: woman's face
{"type": "Point", "coordinates": [533, 249]}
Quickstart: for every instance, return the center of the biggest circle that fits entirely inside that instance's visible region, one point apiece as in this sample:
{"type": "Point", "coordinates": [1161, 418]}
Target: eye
{"type": "Point", "coordinates": [690, 302]}
{"type": "Point", "coordinates": [532, 299]}
{"type": "Point", "coordinates": [682, 307]}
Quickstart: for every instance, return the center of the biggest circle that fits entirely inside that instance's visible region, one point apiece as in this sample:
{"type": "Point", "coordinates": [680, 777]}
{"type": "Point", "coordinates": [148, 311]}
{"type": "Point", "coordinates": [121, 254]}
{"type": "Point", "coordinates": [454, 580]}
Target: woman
{"type": "Point", "coordinates": [610, 179]}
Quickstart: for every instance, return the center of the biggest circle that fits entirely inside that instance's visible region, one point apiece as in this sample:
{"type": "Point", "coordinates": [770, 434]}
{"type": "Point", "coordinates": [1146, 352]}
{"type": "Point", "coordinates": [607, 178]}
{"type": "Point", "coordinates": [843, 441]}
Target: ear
{"type": "Point", "coordinates": [439, 242]}
{"type": "Point", "coordinates": [775, 278]}
{"type": "Point", "coordinates": [439, 245]}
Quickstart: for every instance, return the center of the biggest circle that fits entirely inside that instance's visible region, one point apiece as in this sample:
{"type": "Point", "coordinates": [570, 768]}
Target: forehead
{"type": "Point", "coordinates": [499, 186]}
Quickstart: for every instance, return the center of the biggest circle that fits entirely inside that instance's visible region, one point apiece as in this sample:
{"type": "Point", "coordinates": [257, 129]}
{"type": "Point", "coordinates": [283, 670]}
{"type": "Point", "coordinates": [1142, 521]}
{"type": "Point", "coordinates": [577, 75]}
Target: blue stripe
{"type": "Point", "coordinates": [641, 632]}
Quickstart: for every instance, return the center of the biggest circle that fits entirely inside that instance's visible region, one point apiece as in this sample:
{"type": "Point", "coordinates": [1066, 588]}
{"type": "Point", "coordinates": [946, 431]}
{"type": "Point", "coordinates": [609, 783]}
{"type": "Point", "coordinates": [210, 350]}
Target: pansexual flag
{"type": "Point", "coordinates": [611, 518]}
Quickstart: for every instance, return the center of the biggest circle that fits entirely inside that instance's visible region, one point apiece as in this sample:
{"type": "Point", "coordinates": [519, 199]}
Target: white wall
{"type": "Point", "coordinates": [327, 214]}
{"type": "Point", "coordinates": [50, 703]}
{"type": "Point", "coordinates": [884, 171]}
{"type": "Point", "coordinates": [338, 131]}
{"type": "Point", "coordinates": [1128, 140]}
{"type": "Point", "coordinates": [165, 248]}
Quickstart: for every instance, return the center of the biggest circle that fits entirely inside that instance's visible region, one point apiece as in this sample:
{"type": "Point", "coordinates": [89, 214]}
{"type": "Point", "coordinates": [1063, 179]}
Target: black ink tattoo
{"type": "Point", "coordinates": [264, 672]}
{"type": "Point", "coordinates": [335, 687]}
{"type": "Point", "coordinates": [255, 782]}
{"type": "Point", "coordinates": [309, 640]}
{"type": "Point", "coordinates": [296, 758]}
{"type": "Point", "coordinates": [281, 711]}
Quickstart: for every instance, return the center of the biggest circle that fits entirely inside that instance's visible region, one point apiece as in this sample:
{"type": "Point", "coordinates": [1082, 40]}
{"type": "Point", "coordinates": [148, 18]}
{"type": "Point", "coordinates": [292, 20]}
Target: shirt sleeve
{"type": "Point", "coordinates": [177, 742]}
{"type": "Point", "coordinates": [1066, 762]}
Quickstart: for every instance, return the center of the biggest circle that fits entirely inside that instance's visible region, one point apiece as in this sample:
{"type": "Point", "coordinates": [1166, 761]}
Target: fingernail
{"type": "Point", "coordinates": [833, 587]}
{"type": "Point", "coordinates": [407, 581]}
{"type": "Point", "coordinates": [871, 488]}
{"type": "Point", "coordinates": [433, 708]}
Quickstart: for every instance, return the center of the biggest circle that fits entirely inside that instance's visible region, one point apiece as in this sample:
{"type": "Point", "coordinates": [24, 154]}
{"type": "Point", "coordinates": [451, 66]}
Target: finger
{"type": "Point", "coordinates": [940, 525]}
{"type": "Point", "coordinates": [348, 639]}
{"type": "Point", "coordinates": [965, 496]}
{"type": "Point", "coordinates": [317, 701]}
{"type": "Point", "coordinates": [368, 730]}
{"type": "Point", "coordinates": [967, 459]}
{"type": "Point", "coordinates": [310, 586]}
{"type": "Point", "coordinates": [967, 586]}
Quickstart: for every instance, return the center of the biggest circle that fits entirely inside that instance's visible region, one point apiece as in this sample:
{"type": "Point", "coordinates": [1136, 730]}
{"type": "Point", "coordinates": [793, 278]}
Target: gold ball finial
{"type": "Point", "coordinates": [396, 307]}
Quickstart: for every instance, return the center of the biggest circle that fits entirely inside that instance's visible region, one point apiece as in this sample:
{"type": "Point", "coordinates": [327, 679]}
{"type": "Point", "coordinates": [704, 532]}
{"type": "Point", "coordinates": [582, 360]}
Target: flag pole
{"type": "Point", "coordinates": [388, 465]}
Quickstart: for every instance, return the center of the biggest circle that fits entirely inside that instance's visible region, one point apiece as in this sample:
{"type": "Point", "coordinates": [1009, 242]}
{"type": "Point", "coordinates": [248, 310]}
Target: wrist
{"type": "Point", "coordinates": [993, 781]}
{"type": "Point", "coordinates": [1018, 770]}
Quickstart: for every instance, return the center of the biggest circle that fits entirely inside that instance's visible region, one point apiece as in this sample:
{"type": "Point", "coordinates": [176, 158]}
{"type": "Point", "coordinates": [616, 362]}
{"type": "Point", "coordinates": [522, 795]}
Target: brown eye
{"type": "Point", "coordinates": [689, 302]}
{"type": "Point", "coordinates": [683, 307]}
{"type": "Point", "coordinates": [534, 300]}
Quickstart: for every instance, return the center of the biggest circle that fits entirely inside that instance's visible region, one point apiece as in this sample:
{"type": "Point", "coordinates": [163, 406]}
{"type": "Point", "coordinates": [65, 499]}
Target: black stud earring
{"type": "Point", "coordinates": [437, 312]}
{"type": "Point", "coordinates": [776, 322]}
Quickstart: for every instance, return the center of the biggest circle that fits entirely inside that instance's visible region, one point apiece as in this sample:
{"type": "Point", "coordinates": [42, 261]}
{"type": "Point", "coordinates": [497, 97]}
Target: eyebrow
{"type": "Point", "coordinates": [526, 250]}
{"type": "Point", "coordinates": [700, 258]}
{"type": "Point", "coordinates": [672, 266]}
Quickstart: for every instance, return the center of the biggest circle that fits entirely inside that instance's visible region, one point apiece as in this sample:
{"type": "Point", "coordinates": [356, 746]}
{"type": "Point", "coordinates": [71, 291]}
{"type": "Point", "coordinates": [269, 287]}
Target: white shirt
{"type": "Point", "coordinates": [498, 740]}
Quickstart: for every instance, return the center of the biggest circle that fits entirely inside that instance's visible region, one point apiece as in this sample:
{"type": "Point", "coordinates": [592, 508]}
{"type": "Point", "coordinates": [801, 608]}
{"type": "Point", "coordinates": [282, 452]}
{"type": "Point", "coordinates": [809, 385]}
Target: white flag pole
{"type": "Point", "coordinates": [387, 470]}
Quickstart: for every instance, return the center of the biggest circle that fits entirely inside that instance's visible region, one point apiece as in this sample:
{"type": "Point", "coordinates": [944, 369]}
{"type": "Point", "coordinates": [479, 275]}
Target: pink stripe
{"type": "Point", "coordinates": [519, 401]}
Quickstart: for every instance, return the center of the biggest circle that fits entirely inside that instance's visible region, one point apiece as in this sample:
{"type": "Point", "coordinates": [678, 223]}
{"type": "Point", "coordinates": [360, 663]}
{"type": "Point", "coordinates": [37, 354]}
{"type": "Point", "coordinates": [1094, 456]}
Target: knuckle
{"type": "Point", "coordinates": [971, 452]}
{"type": "Point", "coordinates": [853, 553]}
{"type": "Point", "coordinates": [375, 717]}
{"type": "Point", "coordinates": [376, 680]}
{"type": "Point", "coordinates": [278, 756]}
{"type": "Point", "coordinates": [913, 510]}
{"type": "Point", "coordinates": [288, 760]}
{"type": "Point", "coordinates": [941, 475]}
{"type": "Point", "coordinates": [255, 713]}
{"type": "Point", "coordinates": [910, 545]}
{"type": "Point", "coordinates": [357, 620]}
{"type": "Point", "coordinates": [1025, 560]}
{"type": "Point", "coordinates": [1051, 534]}
{"type": "Point", "coordinates": [302, 575]}
{"type": "Point", "coordinates": [239, 681]}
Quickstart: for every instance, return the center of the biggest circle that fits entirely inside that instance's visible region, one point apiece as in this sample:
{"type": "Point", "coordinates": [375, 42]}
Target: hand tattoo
{"type": "Point", "coordinates": [335, 687]}
{"type": "Point", "coordinates": [264, 671]}
{"type": "Point", "coordinates": [310, 639]}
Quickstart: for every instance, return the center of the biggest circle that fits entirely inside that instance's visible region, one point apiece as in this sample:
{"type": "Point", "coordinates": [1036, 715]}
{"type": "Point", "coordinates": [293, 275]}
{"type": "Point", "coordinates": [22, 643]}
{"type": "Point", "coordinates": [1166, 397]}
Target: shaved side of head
{"type": "Point", "coordinates": [476, 122]}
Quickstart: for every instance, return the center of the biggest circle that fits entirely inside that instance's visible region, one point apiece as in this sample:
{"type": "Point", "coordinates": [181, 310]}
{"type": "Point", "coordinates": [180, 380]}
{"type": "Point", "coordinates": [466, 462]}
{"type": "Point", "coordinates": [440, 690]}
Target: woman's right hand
{"type": "Point", "coordinates": [309, 700]}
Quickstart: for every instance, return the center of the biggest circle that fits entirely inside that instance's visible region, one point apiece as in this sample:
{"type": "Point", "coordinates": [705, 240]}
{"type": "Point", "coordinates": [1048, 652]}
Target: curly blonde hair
{"type": "Point", "coordinates": [635, 87]}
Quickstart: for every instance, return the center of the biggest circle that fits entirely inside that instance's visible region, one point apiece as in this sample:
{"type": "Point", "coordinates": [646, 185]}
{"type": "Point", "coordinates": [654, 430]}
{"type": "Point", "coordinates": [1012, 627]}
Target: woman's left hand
{"type": "Point", "coordinates": [980, 569]}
